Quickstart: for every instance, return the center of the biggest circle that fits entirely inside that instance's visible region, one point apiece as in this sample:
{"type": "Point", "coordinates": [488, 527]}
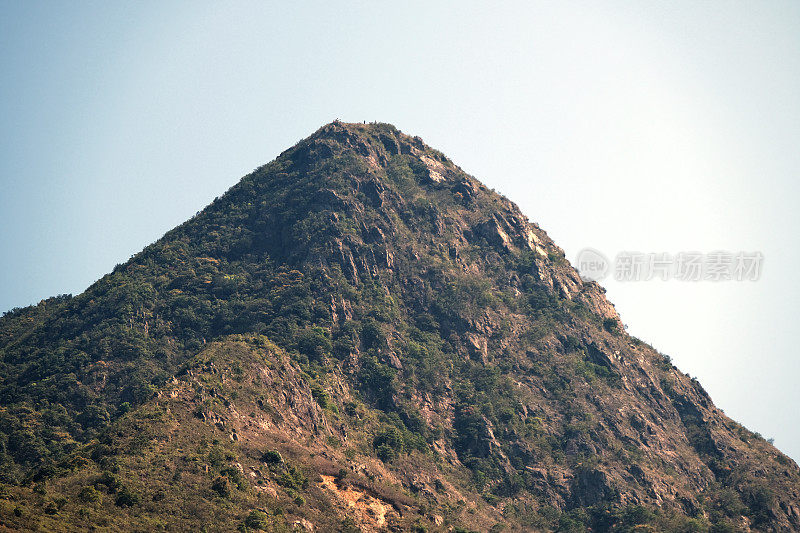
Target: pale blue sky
{"type": "Point", "coordinates": [642, 126]}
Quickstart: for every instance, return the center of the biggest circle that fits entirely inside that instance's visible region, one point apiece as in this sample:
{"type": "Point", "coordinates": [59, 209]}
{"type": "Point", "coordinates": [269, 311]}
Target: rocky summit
{"type": "Point", "coordinates": [359, 336]}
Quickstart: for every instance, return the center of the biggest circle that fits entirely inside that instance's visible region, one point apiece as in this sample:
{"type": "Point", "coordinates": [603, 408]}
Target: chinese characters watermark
{"type": "Point", "coordinates": [683, 266]}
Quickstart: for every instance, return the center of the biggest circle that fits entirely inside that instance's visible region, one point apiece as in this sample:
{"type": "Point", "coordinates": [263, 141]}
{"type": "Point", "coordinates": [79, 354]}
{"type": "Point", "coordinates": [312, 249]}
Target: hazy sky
{"type": "Point", "coordinates": [648, 126]}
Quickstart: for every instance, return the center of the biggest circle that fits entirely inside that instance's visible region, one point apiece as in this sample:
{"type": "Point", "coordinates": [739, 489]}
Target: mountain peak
{"type": "Point", "coordinates": [358, 128]}
{"type": "Point", "coordinates": [376, 141]}
{"type": "Point", "coordinates": [359, 334]}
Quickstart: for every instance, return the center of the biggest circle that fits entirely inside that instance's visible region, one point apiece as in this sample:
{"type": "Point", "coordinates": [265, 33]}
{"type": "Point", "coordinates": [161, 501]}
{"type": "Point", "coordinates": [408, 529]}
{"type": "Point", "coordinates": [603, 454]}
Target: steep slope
{"type": "Point", "coordinates": [368, 308]}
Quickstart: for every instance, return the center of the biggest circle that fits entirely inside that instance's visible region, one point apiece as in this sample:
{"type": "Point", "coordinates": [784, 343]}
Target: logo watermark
{"type": "Point", "coordinates": [683, 266]}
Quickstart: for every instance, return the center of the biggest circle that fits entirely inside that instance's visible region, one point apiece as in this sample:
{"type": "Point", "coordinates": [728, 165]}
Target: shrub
{"type": "Point", "coordinates": [611, 325]}
{"type": "Point", "coordinates": [89, 495]}
{"type": "Point", "coordinates": [109, 480]}
{"type": "Point", "coordinates": [760, 498]}
{"type": "Point", "coordinates": [372, 335]}
{"type": "Point", "coordinates": [220, 486]}
{"type": "Point", "coordinates": [272, 457]}
{"type": "Point", "coordinates": [386, 453]}
{"type": "Point", "coordinates": [257, 520]}
{"type": "Point", "coordinates": [321, 396]}
{"type": "Point", "coordinates": [391, 437]}
{"type": "Point", "coordinates": [388, 444]}
{"type": "Point", "coordinates": [351, 408]}
{"type": "Point", "coordinates": [313, 343]}
{"type": "Point", "coordinates": [343, 347]}
{"type": "Point", "coordinates": [377, 382]}
{"type": "Point", "coordinates": [471, 432]}
{"type": "Point", "coordinates": [236, 477]}
{"type": "Point", "coordinates": [292, 478]}
{"type": "Point", "coordinates": [126, 498]}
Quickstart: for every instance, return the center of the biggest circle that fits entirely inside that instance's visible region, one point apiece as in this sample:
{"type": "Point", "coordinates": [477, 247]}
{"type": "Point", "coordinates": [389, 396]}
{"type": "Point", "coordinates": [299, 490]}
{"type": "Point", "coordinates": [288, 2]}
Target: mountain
{"type": "Point", "coordinates": [361, 336]}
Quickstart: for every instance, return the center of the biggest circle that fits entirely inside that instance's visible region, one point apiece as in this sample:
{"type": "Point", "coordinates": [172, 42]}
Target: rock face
{"type": "Point", "coordinates": [359, 335]}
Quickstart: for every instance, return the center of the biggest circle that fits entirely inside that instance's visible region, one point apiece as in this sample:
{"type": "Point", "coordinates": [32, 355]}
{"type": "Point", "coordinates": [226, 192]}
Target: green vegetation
{"type": "Point", "coordinates": [362, 310]}
{"type": "Point", "coordinates": [257, 520]}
